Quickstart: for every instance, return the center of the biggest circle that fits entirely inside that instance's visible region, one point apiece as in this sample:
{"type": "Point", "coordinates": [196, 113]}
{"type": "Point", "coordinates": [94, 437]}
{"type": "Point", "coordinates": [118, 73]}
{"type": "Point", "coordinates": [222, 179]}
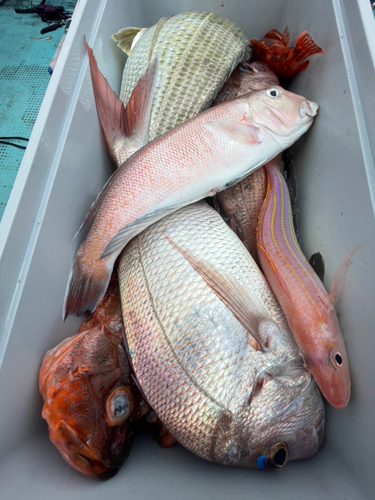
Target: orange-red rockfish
{"type": "Point", "coordinates": [308, 307]}
{"type": "Point", "coordinates": [199, 158]}
{"type": "Point", "coordinates": [91, 401]}
{"type": "Point", "coordinates": [284, 60]}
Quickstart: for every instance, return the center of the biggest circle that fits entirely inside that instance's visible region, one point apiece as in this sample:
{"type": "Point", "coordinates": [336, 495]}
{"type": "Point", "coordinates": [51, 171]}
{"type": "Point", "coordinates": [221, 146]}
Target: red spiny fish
{"type": "Point", "coordinates": [308, 307]}
{"type": "Point", "coordinates": [91, 401]}
{"type": "Point", "coordinates": [199, 158]}
{"type": "Point", "coordinates": [283, 60]}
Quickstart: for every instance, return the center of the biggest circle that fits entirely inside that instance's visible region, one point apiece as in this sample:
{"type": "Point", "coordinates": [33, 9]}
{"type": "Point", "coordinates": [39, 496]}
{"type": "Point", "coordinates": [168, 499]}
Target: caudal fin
{"type": "Point", "coordinates": [87, 284]}
{"type": "Point", "coordinates": [306, 46]}
{"type": "Point", "coordinates": [125, 130]}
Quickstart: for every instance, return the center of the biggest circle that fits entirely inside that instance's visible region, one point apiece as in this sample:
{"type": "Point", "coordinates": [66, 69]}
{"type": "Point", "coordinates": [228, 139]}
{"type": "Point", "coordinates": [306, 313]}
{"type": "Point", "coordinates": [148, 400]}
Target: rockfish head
{"type": "Point", "coordinates": [284, 115]}
{"type": "Point", "coordinates": [90, 403]}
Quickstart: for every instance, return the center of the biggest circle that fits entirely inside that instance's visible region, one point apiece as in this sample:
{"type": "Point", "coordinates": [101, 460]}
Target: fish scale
{"type": "Point", "coordinates": [197, 53]}
{"type": "Point", "coordinates": [193, 359]}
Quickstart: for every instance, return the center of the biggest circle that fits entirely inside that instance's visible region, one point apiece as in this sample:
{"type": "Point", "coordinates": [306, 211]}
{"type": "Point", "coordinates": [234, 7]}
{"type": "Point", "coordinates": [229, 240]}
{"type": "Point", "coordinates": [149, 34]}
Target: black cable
{"type": "Point", "coordinates": [17, 138]}
{"type": "Point", "coordinates": [12, 144]}
{"type": "Point", "coordinates": [2, 141]}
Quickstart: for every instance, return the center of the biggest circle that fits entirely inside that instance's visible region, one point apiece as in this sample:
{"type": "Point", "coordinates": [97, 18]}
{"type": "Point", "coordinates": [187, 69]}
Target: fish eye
{"type": "Point", "coordinates": [273, 92]}
{"type": "Point", "coordinates": [119, 406]}
{"type": "Point", "coordinates": [278, 456]}
{"type": "Point", "coordinates": [246, 67]}
{"type": "Point", "coordinates": [336, 360]}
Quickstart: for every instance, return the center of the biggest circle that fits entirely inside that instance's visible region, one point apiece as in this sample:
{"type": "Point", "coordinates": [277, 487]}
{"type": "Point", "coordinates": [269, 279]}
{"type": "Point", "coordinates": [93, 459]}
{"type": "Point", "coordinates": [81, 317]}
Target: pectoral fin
{"type": "Point", "coordinates": [128, 232]}
{"type": "Point", "coordinates": [244, 133]}
{"type": "Point", "coordinates": [339, 279]}
{"type": "Point", "coordinates": [248, 311]}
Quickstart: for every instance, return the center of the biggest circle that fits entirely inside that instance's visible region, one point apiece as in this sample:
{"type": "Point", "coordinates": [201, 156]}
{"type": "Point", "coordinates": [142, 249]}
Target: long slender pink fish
{"type": "Point", "coordinates": [204, 155]}
{"type": "Point", "coordinates": [308, 307]}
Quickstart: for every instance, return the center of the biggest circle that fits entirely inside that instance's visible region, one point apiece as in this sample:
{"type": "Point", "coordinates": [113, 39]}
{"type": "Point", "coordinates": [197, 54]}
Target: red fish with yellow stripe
{"type": "Point", "coordinates": [308, 307]}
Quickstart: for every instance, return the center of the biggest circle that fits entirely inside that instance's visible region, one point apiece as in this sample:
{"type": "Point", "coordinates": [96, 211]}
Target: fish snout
{"type": "Point", "coordinates": [308, 108]}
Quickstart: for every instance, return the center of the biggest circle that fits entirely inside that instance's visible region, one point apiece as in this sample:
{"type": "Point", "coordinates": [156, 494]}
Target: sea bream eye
{"type": "Point", "coordinates": [278, 456]}
{"type": "Point", "coordinates": [119, 406]}
{"type": "Point", "coordinates": [273, 92]}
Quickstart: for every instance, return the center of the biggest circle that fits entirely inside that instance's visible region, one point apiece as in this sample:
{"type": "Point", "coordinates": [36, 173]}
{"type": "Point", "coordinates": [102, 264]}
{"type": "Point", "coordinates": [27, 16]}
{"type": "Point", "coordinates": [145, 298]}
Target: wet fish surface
{"type": "Point", "coordinates": [91, 402]}
{"type": "Point", "coordinates": [197, 52]}
{"type": "Point", "coordinates": [231, 395]}
{"type": "Point", "coordinates": [286, 61]}
{"type": "Point", "coordinates": [307, 305]}
{"type": "Point", "coordinates": [197, 159]}
{"type": "Point", "coordinates": [242, 202]}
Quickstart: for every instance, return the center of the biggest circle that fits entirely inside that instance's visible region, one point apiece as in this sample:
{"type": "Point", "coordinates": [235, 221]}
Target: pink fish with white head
{"type": "Point", "coordinates": [199, 158]}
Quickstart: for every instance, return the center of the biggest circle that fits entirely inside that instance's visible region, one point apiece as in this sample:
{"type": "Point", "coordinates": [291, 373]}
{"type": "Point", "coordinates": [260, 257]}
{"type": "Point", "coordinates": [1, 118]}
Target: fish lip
{"type": "Point", "coordinates": [75, 450]}
{"type": "Point", "coordinates": [308, 108]}
{"type": "Point", "coordinates": [288, 139]}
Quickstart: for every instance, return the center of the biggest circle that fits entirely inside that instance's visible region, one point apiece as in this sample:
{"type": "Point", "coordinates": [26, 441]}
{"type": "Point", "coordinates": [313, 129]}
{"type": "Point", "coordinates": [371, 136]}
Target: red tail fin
{"type": "Point", "coordinates": [125, 130]}
{"type": "Point", "coordinates": [306, 46]}
{"type": "Point", "coordinates": [86, 286]}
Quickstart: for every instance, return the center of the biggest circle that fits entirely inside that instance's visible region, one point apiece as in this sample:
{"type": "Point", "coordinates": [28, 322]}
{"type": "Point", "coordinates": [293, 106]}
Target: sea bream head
{"type": "Point", "coordinates": [211, 348]}
{"type": "Point", "coordinates": [282, 114]}
{"type": "Point", "coordinates": [287, 416]}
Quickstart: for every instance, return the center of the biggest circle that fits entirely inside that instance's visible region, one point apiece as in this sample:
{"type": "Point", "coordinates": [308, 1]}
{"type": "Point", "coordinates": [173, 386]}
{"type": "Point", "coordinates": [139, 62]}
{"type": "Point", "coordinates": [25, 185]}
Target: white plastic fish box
{"type": "Point", "coordinates": [64, 167]}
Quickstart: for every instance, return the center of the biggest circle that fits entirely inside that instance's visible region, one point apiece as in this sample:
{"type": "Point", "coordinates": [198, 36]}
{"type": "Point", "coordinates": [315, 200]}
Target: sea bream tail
{"type": "Point", "coordinates": [125, 130]}
{"type": "Point", "coordinates": [88, 282]}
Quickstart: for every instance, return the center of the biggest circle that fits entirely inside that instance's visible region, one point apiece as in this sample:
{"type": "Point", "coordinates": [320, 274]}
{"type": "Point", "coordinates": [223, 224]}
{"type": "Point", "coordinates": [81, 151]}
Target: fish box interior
{"type": "Point", "coordinates": [65, 166]}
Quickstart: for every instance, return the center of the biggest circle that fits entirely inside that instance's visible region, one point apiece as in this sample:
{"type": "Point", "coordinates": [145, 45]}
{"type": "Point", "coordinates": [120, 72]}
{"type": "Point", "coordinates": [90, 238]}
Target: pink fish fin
{"type": "Point", "coordinates": [124, 129]}
{"type": "Point", "coordinates": [285, 36]}
{"type": "Point", "coordinates": [86, 287]}
{"type": "Point", "coordinates": [244, 133]}
{"type": "Point", "coordinates": [306, 46]}
{"type": "Point", "coordinates": [165, 438]}
{"type": "Point", "coordinates": [249, 312]}
{"type": "Point", "coordinates": [126, 233]}
{"type": "Point", "coordinates": [96, 205]}
{"type": "Point", "coordinates": [339, 279]}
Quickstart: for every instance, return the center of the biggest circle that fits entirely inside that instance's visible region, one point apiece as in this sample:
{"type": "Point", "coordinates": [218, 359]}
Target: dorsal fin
{"type": "Point", "coordinates": [339, 279]}
{"type": "Point", "coordinates": [125, 38]}
{"type": "Point", "coordinates": [124, 130]}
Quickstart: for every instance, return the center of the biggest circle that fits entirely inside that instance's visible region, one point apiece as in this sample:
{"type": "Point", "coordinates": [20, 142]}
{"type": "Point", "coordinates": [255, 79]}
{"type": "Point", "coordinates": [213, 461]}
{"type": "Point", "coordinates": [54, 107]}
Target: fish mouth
{"type": "Point", "coordinates": [285, 136]}
{"type": "Point", "coordinates": [308, 108]}
{"type": "Point", "coordinates": [78, 454]}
